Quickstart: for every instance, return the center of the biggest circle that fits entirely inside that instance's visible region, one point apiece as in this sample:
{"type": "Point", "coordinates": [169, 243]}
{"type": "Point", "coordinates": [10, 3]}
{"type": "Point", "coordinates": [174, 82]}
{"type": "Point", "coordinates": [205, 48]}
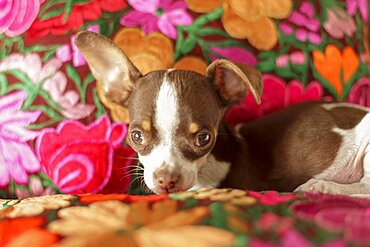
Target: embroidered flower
{"type": "Point", "coordinates": [358, 5]}
{"type": "Point", "coordinates": [35, 189]}
{"type": "Point", "coordinates": [337, 68]}
{"type": "Point", "coordinates": [277, 94]}
{"type": "Point", "coordinates": [25, 232]}
{"type": "Point", "coordinates": [360, 92]}
{"type": "Point", "coordinates": [17, 16]}
{"type": "Point", "coordinates": [234, 54]}
{"type": "Point", "coordinates": [67, 52]}
{"type": "Point", "coordinates": [338, 213]}
{"type": "Point", "coordinates": [86, 159]}
{"type": "Point", "coordinates": [53, 81]}
{"type": "Point", "coordinates": [84, 11]}
{"type": "Point", "coordinates": [154, 15]}
{"type": "Point", "coordinates": [272, 197]}
{"type": "Point", "coordinates": [339, 24]}
{"type": "Point", "coordinates": [248, 19]}
{"type": "Point", "coordinates": [17, 159]}
{"type": "Point", "coordinates": [303, 24]}
{"type": "Point", "coordinates": [33, 206]}
{"type": "Point", "coordinates": [138, 224]}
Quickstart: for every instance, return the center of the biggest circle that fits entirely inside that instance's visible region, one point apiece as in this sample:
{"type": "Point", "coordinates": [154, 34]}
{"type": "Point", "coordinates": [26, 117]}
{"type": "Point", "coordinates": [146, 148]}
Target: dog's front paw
{"type": "Point", "coordinates": [315, 185]}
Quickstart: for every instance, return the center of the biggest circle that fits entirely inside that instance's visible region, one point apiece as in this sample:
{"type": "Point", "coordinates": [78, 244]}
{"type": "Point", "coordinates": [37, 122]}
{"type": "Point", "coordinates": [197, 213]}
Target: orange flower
{"type": "Point", "coordinates": [25, 232]}
{"type": "Point", "coordinates": [335, 66]}
{"type": "Point", "coordinates": [137, 224]}
{"type": "Point", "coordinates": [98, 197]}
{"type": "Point", "coordinates": [248, 19]}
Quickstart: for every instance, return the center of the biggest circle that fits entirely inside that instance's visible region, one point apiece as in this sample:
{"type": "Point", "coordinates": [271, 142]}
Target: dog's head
{"type": "Point", "coordinates": [174, 115]}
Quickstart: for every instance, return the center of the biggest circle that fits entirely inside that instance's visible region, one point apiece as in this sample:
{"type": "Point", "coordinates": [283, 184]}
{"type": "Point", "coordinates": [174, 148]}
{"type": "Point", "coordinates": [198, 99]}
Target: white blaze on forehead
{"type": "Point", "coordinates": [166, 112]}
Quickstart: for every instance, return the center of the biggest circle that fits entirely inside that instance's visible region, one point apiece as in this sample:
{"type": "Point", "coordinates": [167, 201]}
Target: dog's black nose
{"type": "Point", "coordinates": [166, 184]}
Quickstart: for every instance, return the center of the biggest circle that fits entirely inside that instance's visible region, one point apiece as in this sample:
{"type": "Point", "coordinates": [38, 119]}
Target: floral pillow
{"type": "Point", "coordinates": [59, 134]}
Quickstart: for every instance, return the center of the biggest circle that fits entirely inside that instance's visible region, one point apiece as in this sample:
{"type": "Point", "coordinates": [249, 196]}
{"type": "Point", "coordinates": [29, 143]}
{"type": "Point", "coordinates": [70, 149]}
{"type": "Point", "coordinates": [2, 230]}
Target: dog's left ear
{"type": "Point", "coordinates": [233, 81]}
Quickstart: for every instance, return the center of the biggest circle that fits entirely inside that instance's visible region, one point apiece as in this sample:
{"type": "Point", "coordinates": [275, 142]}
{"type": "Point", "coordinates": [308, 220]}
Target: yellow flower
{"type": "Point", "coordinates": [248, 19]}
{"type": "Point", "coordinates": [33, 206]}
{"type": "Point", "coordinates": [114, 223]}
{"type": "Point", "coordinates": [233, 196]}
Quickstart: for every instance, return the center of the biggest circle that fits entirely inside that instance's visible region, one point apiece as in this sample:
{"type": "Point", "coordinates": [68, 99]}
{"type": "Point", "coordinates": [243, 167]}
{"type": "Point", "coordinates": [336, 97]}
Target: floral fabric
{"type": "Point", "coordinates": [58, 133]}
{"type": "Point", "coordinates": [218, 217]}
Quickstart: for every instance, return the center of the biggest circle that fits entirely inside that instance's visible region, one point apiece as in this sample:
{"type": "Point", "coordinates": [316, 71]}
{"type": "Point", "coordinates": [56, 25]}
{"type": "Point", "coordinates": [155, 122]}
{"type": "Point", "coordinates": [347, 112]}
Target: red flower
{"type": "Point", "coordinates": [277, 94]}
{"type": "Point", "coordinates": [89, 11]}
{"type": "Point", "coordinates": [338, 213]}
{"type": "Point", "coordinates": [82, 159]}
{"type": "Point", "coordinates": [272, 197]}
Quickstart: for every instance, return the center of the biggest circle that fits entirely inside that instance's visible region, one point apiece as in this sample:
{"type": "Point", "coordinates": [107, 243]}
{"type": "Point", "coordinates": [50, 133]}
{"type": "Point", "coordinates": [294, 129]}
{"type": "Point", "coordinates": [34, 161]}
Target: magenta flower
{"type": "Point", "coordinates": [360, 92]}
{"type": "Point", "coordinates": [17, 16]}
{"type": "Point", "coordinates": [360, 5]}
{"type": "Point", "coordinates": [303, 23]}
{"type": "Point", "coordinates": [17, 159]}
{"type": "Point", "coordinates": [235, 54]}
{"type": "Point", "coordinates": [277, 94]}
{"type": "Point", "coordinates": [157, 15]}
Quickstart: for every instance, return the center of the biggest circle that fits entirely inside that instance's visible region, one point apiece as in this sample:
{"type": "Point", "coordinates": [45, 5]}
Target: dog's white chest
{"type": "Point", "coordinates": [352, 162]}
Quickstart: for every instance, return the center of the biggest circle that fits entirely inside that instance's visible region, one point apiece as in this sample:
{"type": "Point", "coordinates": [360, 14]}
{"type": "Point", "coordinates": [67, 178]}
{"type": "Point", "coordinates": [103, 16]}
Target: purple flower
{"type": "Point", "coordinates": [361, 5]}
{"type": "Point", "coordinates": [154, 15]}
{"type": "Point", "coordinates": [304, 24]}
{"type": "Point", "coordinates": [17, 159]}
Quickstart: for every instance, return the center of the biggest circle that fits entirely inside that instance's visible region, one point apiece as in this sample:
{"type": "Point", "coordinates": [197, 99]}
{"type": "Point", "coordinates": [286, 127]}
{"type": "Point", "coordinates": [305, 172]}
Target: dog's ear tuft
{"type": "Point", "coordinates": [233, 81]}
{"type": "Point", "coordinates": [109, 65]}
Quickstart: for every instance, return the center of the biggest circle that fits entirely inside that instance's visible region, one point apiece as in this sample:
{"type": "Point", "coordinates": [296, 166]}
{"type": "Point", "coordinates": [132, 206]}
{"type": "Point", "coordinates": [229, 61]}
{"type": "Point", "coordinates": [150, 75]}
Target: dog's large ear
{"type": "Point", "coordinates": [109, 65]}
{"type": "Point", "coordinates": [233, 81]}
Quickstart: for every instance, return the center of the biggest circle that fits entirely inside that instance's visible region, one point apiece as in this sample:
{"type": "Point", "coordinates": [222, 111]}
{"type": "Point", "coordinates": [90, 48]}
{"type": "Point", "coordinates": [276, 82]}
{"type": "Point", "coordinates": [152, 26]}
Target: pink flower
{"type": "Point", "coordinates": [36, 189]}
{"type": "Point", "coordinates": [296, 57]}
{"type": "Point", "coordinates": [54, 82]}
{"type": "Point", "coordinates": [86, 159]}
{"type": "Point", "coordinates": [290, 238]}
{"type": "Point", "coordinates": [235, 54]}
{"type": "Point", "coordinates": [360, 5]}
{"type": "Point", "coordinates": [67, 52]}
{"type": "Point", "coordinates": [154, 15]}
{"type": "Point", "coordinates": [272, 197]}
{"type": "Point", "coordinates": [339, 24]}
{"type": "Point", "coordinates": [17, 159]}
{"type": "Point", "coordinates": [338, 213]}
{"type": "Point", "coordinates": [16, 16]}
{"type": "Point", "coordinates": [273, 222]}
{"type": "Point", "coordinates": [277, 94]}
{"type": "Point", "coordinates": [360, 92]}
{"type": "Point", "coordinates": [307, 26]}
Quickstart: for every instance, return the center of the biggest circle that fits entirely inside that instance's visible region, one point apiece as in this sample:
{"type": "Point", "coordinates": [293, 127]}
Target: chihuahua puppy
{"type": "Point", "coordinates": [177, 129]}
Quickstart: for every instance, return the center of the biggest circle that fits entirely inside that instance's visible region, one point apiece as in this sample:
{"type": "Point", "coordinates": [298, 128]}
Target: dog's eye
{"type": "Point", "coordinates": [137, 137]}
{"type": "Point", "coordinates": [202, 139]}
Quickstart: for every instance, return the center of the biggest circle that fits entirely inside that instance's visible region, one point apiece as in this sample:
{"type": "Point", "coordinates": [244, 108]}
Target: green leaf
{"type": "Point", "coordinates": [47, 5]}
{"type": "Point", "coordinates": [48, 55]}
{"type": "Point", "coordinates": [48, 111]}
{"type": "Point", "coordinates": [179, 43]}
{"type": "Point", "coordinates": [100, 110]}
{"type": "Point", "coordinates": [212, 16]}
{"type": "Point", "coordinates": [210, 31]}
{"type": "Point", "coordinates": [21, 76]}
{"type": "Point", "coordinates": [3, 84]}
{"type": "Point", "coordinates": [52, 13]}
{"type": "Point", "coordinates": [89, 79]}
{"type": "Point", "coordinates": [188, 44]}
{"type": "Point", "coordinates": [39, 48]}
{"type": "Point", "coordinates": [67, 10]}
{"type": "Point", "coordinates": [74, 76]}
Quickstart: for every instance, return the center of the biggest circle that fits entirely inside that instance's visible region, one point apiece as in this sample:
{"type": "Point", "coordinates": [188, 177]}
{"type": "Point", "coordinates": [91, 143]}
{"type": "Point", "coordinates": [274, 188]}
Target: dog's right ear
{"type": "Point", "coordinates": [109, 65]}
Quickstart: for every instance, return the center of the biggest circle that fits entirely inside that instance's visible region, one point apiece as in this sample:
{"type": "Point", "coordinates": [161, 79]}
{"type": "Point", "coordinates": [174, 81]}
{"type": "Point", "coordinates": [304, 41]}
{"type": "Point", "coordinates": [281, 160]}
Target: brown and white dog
{"type": "Point", "coordinates": [177, 129]}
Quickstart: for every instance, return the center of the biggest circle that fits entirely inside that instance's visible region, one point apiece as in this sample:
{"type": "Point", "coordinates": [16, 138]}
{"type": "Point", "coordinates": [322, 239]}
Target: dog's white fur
{"type": "Point", "coordinates": [353, 157]}
{"type": "Point", "coordinates": [166, 155]}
